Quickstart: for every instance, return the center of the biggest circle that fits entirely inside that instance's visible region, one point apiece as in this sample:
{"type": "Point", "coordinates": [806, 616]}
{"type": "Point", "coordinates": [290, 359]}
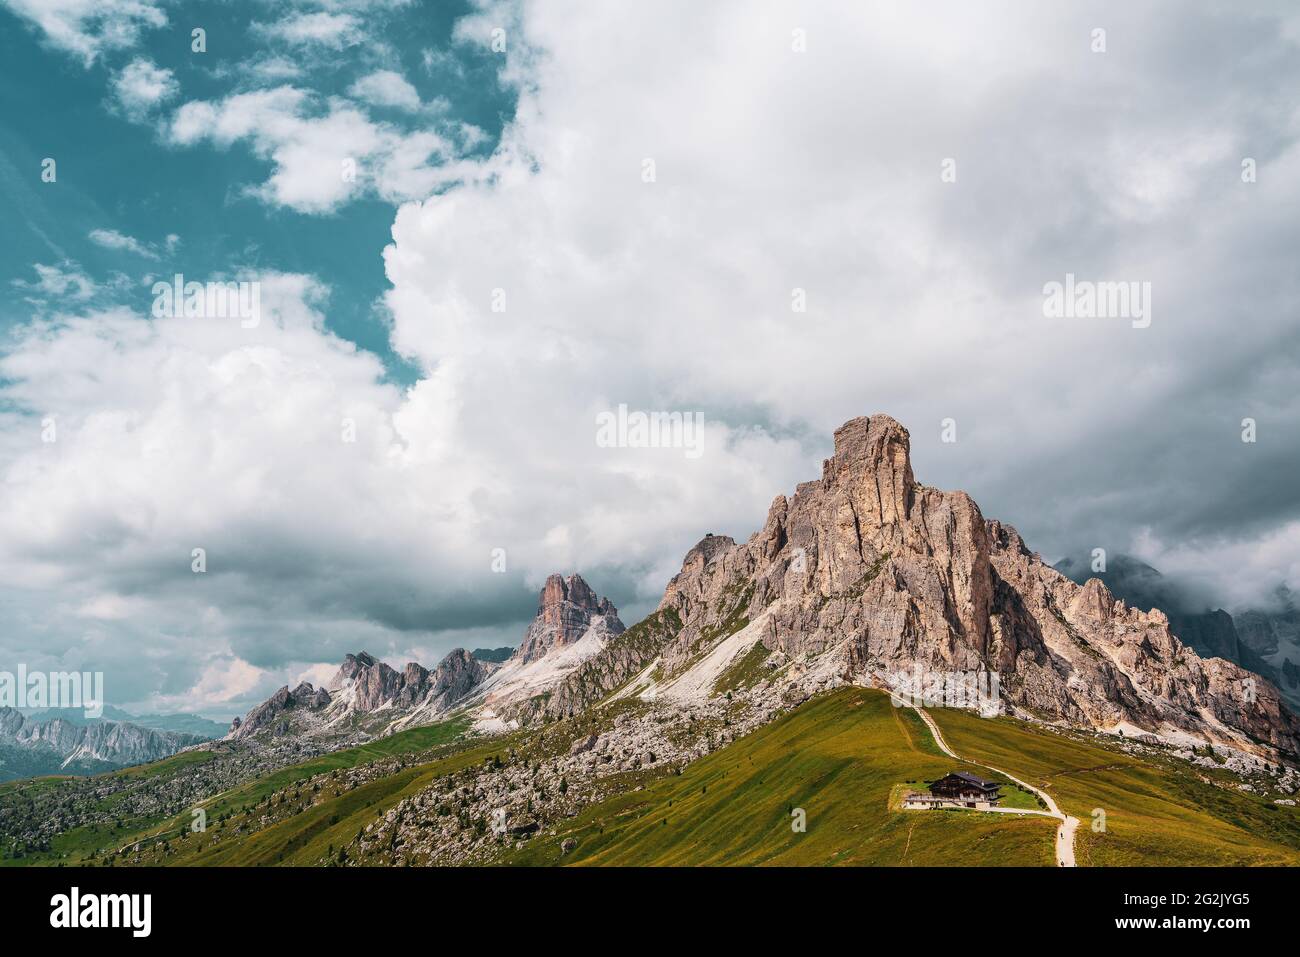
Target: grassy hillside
{"type": "Point", "coordinates": [838, 757]}
{"type": "Point", "coordinates": [81, 844]}
{"type": "Point", "coordinates": [1159, 811]}
{"type": "Point", "coordinates": [844, 758]}
{"type": "Point", "coordinates": [77, 843]}
{"type": "Point", "coordinates": [310, 835]}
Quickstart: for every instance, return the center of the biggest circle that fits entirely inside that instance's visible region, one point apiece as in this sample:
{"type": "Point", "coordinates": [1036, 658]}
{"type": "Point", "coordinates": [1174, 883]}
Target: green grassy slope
{"type": "Point", "coordinates": [838, 757]}
{"type": "Point", "coordinates": [79, 844]}
{"type": "Point", "coordinates": [845, 758]}
{"type": "Point", "coordinates": [1161, 812]}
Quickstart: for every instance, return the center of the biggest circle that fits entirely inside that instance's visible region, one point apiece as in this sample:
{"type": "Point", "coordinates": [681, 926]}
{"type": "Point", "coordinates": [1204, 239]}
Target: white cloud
{"type": "Point", "coordinates": [266, 68]}
{"type": "Point", "coordinates": [779, 170]}
{"type": "Point", "coordinates": [88, 28]}
{"type": "Point", "coordinates": [224, 680]}
{"type": "Point", "coordinates": [775, 170]}
{"type": "Point", "coordinates": [386, 88]}
{"type": "Point", "coordinates": [112, 239]}
{"type": "Point", "coordinates": [64, 281]}
{"type": "Point", "coordinates": [235, 442]}
{"type": "Point", "coordinates": [322, 154]}
{"type": "Point", "coordinates": [330, 30]}
{"type": "Point", "coordinates": [141, 87]}
{"type": "Point", "coordinates": [441, 61]}
{"type": "Point", "coordinates": [1233, 571]}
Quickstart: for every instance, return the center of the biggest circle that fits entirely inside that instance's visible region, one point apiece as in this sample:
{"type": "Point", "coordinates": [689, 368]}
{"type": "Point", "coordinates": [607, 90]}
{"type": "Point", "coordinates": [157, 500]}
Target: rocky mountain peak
{"type": "Point", "coordinates": [1212, 632]}
{"type": "Point", "coordinates": [566, 609]}
{"type": "Point", "coordinates": [267, 713]}
{"type": "Point", "coordinates": [872, 462]}
{"type": "Point", "coordinates": [573, 590]}
{"type": "Point", "coordinates": [352, 666]}
{"type": "Point", "coordinates": [362, 687]}
{"type": "Point", "coordinates": [866, 574]}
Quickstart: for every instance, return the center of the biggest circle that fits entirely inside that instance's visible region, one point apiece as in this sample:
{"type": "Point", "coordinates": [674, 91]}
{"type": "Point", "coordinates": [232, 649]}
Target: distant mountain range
{"type": "Point", "coordinates": [185, 723]}
{"type": "Point", "coordinates": [1265, 642]}
{"type": "Point", "coordinates": [30, 747]}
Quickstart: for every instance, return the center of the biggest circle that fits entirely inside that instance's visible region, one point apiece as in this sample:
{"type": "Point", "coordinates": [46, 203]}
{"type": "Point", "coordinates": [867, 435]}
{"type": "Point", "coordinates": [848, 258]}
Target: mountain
{"type": "Point", "coordinates": [573, 626]}
{"type": "Point", "coordinates": [1259, 641]}
{"type": "Point", "coordinates": [29, 747]}
{"type": "Point", "coordinates": [186, 723]}
{"type": "Point", "coordinates": [1210, 632]}
{"type": "Point", "coordinates": [1274, 633]}
{"type": "Point", "coordinates": [367, 698]}
{"type": "Point", "coordinates": [566, 611]}
{"type": "Point", "coordinates": [757, 673]}
{"type": "Point", "coordinates": [866, 574]}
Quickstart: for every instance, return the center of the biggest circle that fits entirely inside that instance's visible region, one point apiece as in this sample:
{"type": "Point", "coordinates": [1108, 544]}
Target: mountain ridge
{"type": "Point", "coordinates": [859, 577]}
{"type": "Point", "coordinates": [61, 746]}
{"type": "Point", "coordinates": [1248, 638]}
{"type": "Point", "coordinates": [572, 624]}
{"type": "Point", "coordinates": [866, 573]}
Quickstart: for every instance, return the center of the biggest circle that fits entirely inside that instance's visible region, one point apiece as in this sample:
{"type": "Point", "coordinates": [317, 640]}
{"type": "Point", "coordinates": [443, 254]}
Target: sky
{"type": "Point", "coordinates": [777, 216]}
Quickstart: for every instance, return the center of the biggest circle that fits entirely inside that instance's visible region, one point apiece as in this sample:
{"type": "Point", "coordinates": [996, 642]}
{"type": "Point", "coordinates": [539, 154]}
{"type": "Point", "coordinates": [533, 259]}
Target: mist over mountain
{"type": "Point", "coordinates": [1263, 640]}
{"type": "Point", "coordinates": [186, 723]}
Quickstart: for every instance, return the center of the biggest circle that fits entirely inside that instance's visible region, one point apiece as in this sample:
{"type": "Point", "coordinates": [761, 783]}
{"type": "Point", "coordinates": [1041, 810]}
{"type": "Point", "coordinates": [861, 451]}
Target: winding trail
{"type": "Point", "coordinates": [1064, 833]}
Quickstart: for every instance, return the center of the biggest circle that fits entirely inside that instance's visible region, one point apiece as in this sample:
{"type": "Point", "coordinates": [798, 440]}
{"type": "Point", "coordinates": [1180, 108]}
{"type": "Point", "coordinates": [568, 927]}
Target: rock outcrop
{"type": "Point", "coordinates": [366, 697]}
{"type": "Point", "coordinates": [566, 609]}
{"type": "Point", "coordinates": [273, 710]}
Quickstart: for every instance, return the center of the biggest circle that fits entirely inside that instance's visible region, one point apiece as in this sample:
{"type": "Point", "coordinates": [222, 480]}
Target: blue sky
{"type": "Point", "coordinates": [121, 173]}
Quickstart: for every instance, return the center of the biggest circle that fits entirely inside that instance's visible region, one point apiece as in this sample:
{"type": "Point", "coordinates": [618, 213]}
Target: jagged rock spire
{"type": "Point", "coordinates": [566, 609]}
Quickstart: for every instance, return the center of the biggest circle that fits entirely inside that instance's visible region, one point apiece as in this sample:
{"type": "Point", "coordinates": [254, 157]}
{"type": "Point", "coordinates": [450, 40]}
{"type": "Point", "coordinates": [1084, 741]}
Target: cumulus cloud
{"type": "Point", "coordinates": [662, 197]}
{"type": "Point", "coordinates": [335, 511]}
{"type": "Point", "coordinates": [777, 170]}
{"type": "Point", "coordinates": [324, 29]}
{"type": "Point", "coordinates": [386, 88]}
{"type": "Point", "coordinates": [141, 87]}
{"type": "Point", "coordinates": [323, 153]}
{"type": "Point", "coordinates": [89, 28]}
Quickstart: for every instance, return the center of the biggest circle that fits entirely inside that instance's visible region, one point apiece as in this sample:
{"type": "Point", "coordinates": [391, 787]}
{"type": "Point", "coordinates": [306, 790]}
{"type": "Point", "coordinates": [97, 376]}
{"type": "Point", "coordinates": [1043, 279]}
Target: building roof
{"type": "Point", "coordinates": [972, 779]}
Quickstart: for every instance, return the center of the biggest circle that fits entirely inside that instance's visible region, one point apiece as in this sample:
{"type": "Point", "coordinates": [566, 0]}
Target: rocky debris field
{"type": "Point", "coordinates": [476, 815]}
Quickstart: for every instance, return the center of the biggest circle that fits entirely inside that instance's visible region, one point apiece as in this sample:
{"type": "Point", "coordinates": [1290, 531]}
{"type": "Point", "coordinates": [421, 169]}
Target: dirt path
{"type": "Point", "coordinates": [1064, 833]}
